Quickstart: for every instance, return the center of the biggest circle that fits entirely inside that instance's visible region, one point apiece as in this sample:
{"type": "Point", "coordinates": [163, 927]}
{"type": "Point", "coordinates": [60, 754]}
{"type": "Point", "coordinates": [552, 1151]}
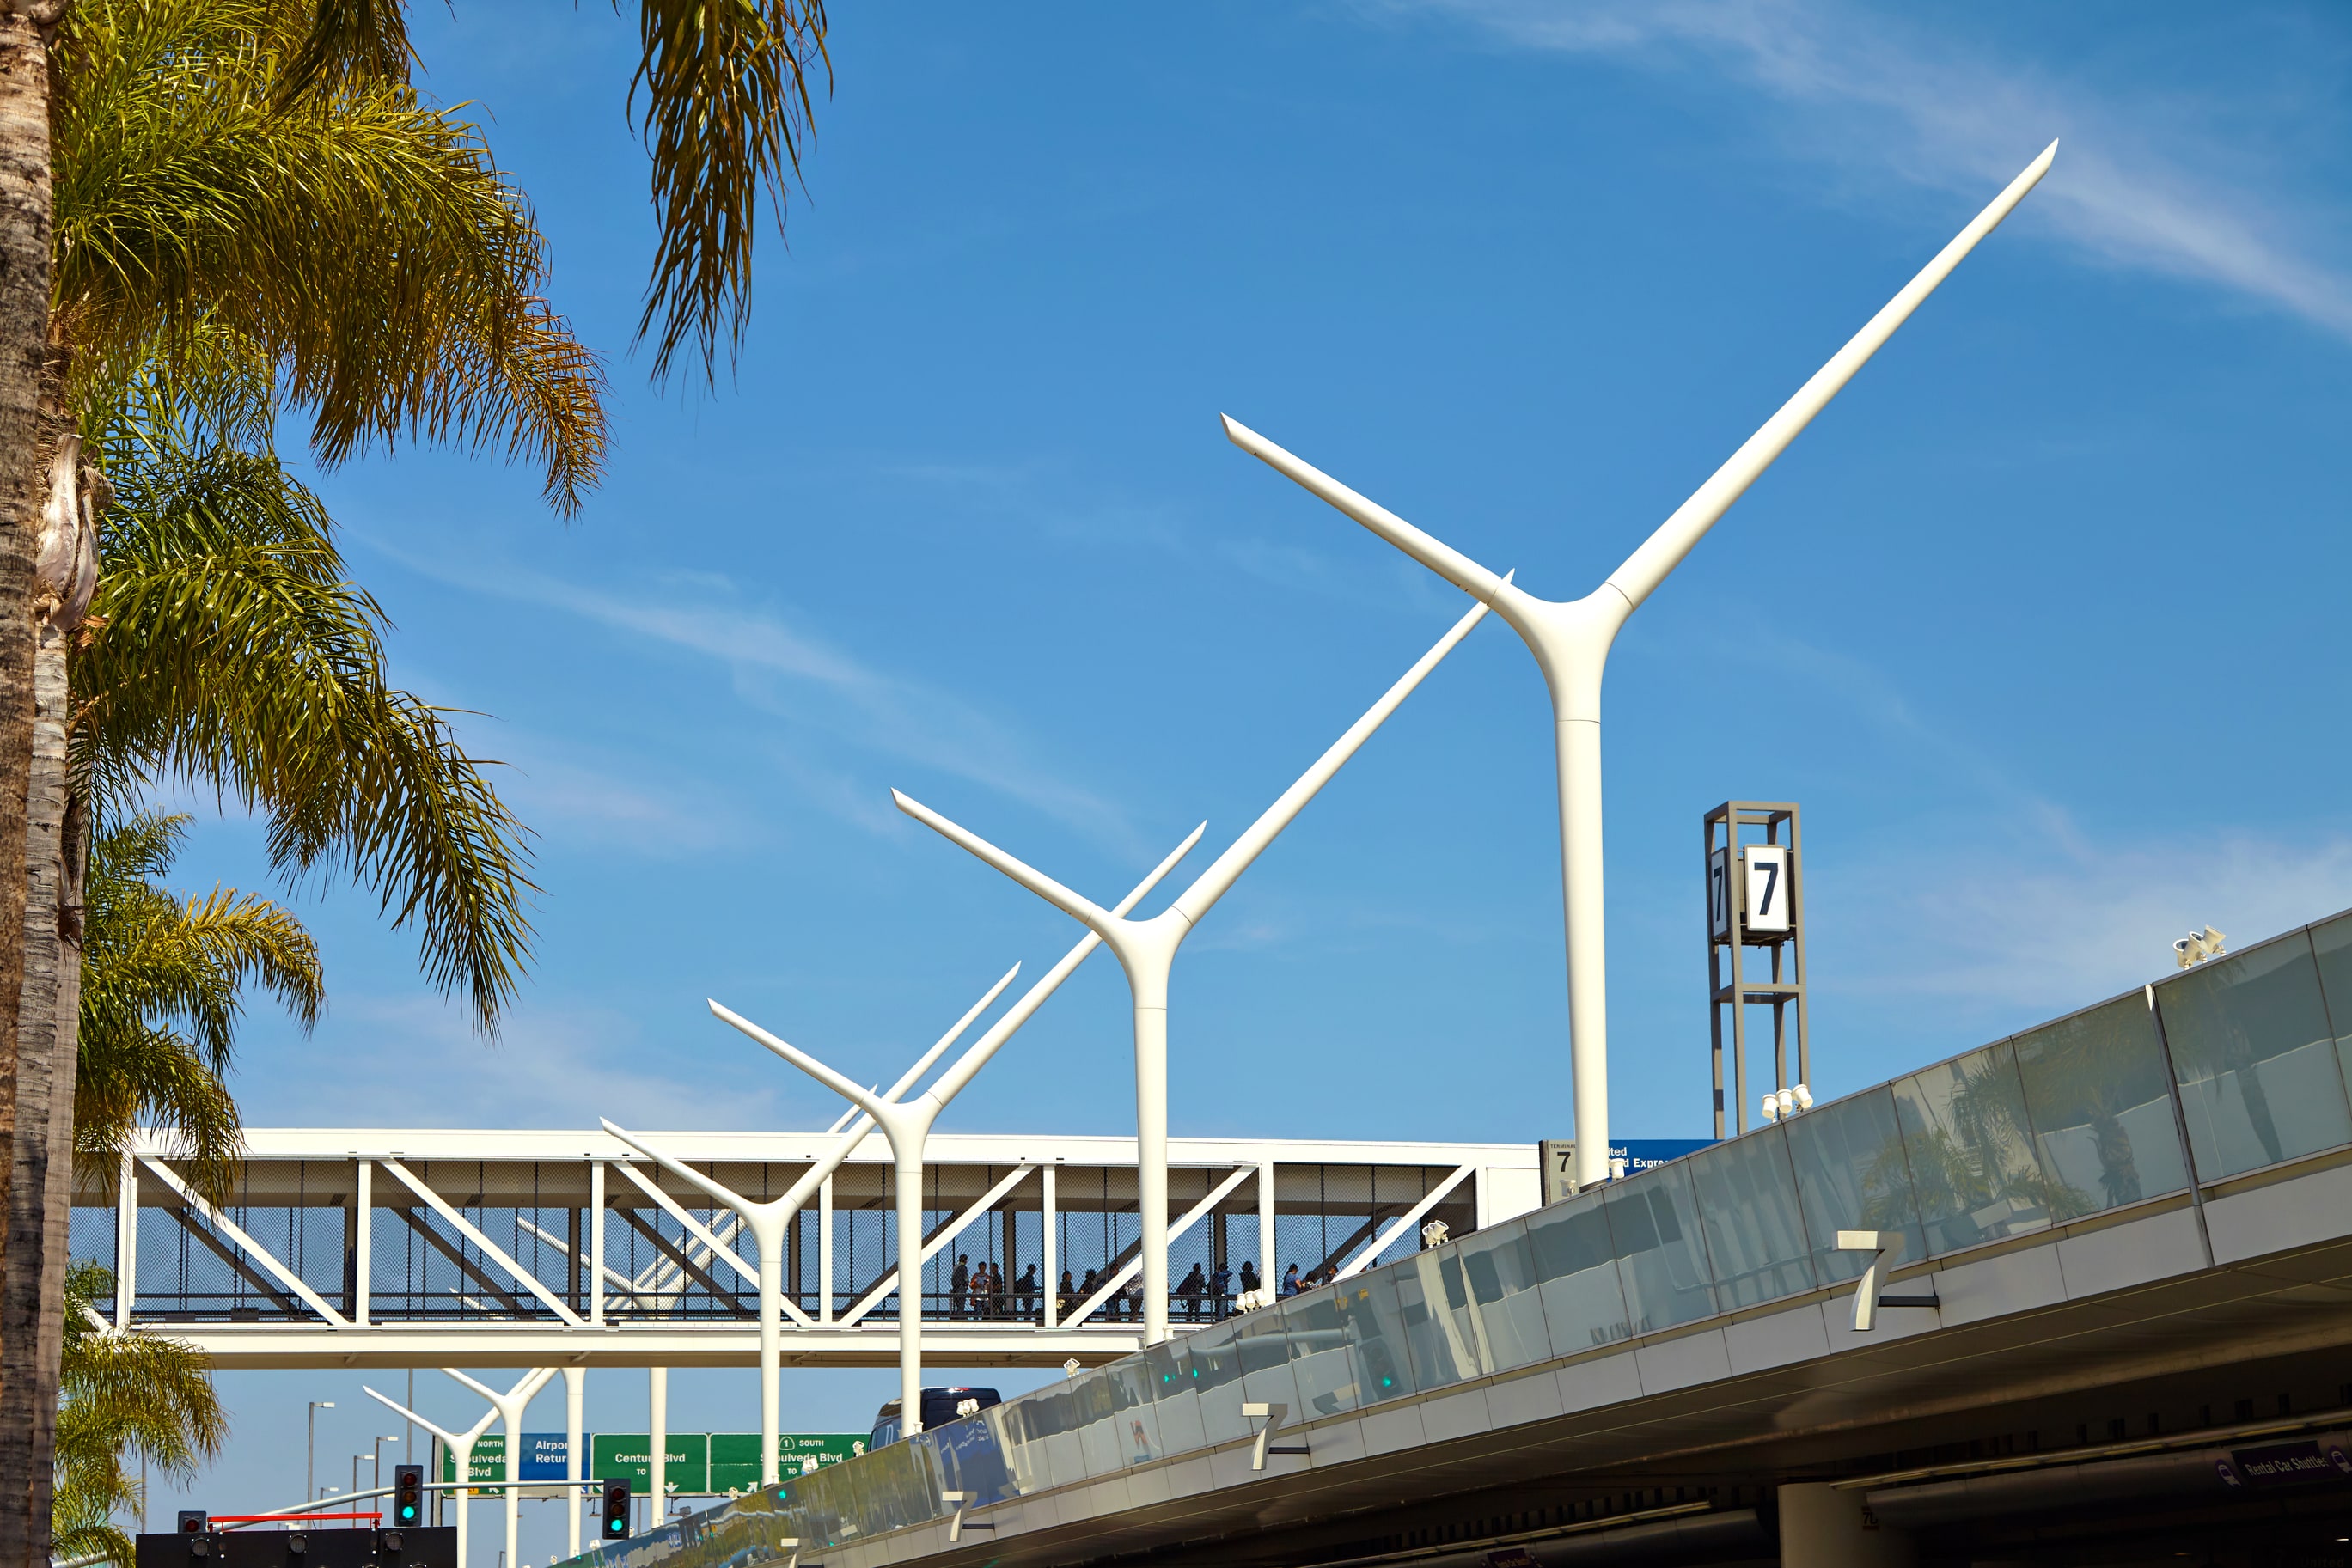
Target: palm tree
{"type": "Point", "coordinates": [123, 1394]}
{"type": "Point", "coordinates": [162, 989]}
{"type": "Point", "coordinates": [356, 252]}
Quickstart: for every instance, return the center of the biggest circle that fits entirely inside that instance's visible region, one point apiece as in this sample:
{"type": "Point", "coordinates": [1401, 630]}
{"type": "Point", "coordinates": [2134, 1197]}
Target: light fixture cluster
{"type": "Point", "coordinates": [2197, 947]}
{"type": "Point", "coordinates": [1788, 1102]}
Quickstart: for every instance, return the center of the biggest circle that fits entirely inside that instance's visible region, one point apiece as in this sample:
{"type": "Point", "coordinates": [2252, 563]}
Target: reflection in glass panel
{"type": "Point", "coordinates": [1376, 1336]}
{"type": "Point", "coordinates": [2250, 1041]}
{"type": "Point", "coordinates": [1852, 1175]}
{"type": "Point", "coordinates": [1134, 1421]}
{"type": "Point", "coordinates": [2332, 944]}
{"type": "Point", "coordinates": [1264, 1351]}
{"type": "Point", "coordinates": [1973, 1168]}
{"type": "Point", "coordinates": [1319, 1353]}
{"type": "Point", "coordinates": [1506, 1311]}
{"type": "Point", "coordinates": [1440, 1330]}
{"type": "Point", "coordinates": [1755, 1236]}
{"type": "Point", "coordinates": [1171, 1371]}
{"type": "Point", "coordinates": [2100, 1108]}
{"type": "Point", "coordinates": [1095, 1441]}
{"type": "Point", "coordinates": [1575, 1274]}
{"type": "Point", "coordinates": [1213, 1362]}
{"type": "Point", "coordinates": [1653, 1223]}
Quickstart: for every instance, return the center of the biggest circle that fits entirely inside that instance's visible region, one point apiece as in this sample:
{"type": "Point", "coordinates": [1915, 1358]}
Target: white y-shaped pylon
{"type": "Point", "coordinates": [461, 1454]}
{"type": "Point", "coordinates": [1570, 641]}
{"type": "Point", "coordinates": [509, 1409]}
{"type": "Point", "coordinates": [908, 1124]}
{"type": "Point", "coordinates": [768, 1221]}
{"type": "Point", "coordinates": [1147, 951]}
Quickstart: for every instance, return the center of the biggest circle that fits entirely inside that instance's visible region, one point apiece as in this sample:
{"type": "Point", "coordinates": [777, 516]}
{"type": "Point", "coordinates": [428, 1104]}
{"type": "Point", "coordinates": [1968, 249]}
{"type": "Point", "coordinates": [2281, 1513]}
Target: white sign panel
{"type": "Point", "coordinates": [1768, 887]}
{"type": "Point", "coordinates": [1718, 895]}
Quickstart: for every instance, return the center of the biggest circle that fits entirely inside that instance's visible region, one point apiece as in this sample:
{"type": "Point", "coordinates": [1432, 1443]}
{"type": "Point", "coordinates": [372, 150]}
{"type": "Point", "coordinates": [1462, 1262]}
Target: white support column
{"type": "Point", "coordinates": [126, 1241]}
{"type": "Point", "coordinates": [1570, 641]}
{"type": "Point", "coordinates": [658, 1448]}
{"type": "Point", "coordinates": [362, 1218]}
{"type": "Point", "coordinates": [1048, 1207]}
{"type": "Point", "coordinates": [1266, 1279]}
{"type": "Point", "coordinates": [575, 1463]}
{"type": "Point", "coordinates": [824, 1250]}
{"type": "Point", "coordinates": [1146, 949]}
{"type": "Point", "coordinates": [596, 1243]}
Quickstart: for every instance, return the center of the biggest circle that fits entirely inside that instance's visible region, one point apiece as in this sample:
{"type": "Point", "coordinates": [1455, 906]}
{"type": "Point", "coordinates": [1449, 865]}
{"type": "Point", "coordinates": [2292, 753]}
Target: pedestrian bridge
{"type": "Point", "coordinates": [386, 1248]}
{"type": "Point", "coordinates": [2135, 1222]}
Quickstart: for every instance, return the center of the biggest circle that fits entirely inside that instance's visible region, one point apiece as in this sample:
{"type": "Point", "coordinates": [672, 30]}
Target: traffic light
{"type": "Point", "coordinates": [407, 1496]}
{"type": "Point", "coordinates": [617, 1511]}
{"type": "Point", "coordinates": [193, 1521]}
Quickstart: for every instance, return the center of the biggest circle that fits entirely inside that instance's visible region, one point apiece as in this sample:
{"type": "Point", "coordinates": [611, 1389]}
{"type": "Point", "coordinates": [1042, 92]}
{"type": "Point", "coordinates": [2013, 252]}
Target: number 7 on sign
{"type": "Point", "coordinates": [1767, 875]}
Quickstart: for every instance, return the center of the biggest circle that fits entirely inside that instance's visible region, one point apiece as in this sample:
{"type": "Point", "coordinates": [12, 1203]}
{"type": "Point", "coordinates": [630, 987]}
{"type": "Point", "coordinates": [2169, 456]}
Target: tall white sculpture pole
{"type": "Point", "coordinates": [1570, 641]}
{"type": "Point", "coordinates": [769, 1221]}
{"type": "Point", "coordinates": [908, 1124]}
{"type": "Point", "coordinates": [508, 1407]}
{"type": "Point", "coordinates": [461, 1454]}
{"type": "Point", "coordinates": [1147, 951]}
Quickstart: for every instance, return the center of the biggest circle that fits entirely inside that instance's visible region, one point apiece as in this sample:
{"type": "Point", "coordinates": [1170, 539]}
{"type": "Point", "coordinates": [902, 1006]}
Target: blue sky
{"type": "Point", "coordinates": [2041, 621]}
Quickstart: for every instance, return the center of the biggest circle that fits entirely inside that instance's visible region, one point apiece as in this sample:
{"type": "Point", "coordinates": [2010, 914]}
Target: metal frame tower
{"type": "Point", "coordinates": [1755, 901]}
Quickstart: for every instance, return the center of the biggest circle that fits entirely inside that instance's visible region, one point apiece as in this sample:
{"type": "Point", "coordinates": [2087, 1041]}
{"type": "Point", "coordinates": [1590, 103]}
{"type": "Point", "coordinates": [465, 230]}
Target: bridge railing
{"type": "Point", "coordinates": [2238, 1064]}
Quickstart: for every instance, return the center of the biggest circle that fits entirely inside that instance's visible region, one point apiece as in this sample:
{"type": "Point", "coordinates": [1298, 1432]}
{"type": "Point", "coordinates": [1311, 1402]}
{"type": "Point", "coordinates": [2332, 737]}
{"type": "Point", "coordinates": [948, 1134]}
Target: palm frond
{"type": "Point", "coordinates": [727, 110]}
{"type": "Point", "coordinates": [350, 40]}
{"type": "Point", "coordinates": [358, 241]}
{"type": "Point", "coordinates": [238, 658]}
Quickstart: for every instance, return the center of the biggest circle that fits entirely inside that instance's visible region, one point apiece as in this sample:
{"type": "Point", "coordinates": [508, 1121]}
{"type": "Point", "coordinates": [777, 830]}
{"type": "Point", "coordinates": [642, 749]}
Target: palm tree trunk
{"type": "Point", "coordinates": [24, 211]}
{"type": "Point", "coordinates": [32, 1285]}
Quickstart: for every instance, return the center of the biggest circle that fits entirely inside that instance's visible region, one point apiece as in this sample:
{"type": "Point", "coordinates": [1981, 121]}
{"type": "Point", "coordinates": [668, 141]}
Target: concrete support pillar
{"type": "Point", "coordinates": [657, 1451]}
{"type": "Point", "coordinates": [1821, 1527]}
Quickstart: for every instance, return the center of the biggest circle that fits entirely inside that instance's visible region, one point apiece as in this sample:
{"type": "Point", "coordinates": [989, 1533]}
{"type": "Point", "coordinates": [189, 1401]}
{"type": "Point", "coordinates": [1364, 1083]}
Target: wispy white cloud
{"type": "Point", "coordinates": [2167, 182]}
{"type": "Point", "coordinates": [415, 1061]}
{"type": "Point", "coordinates": [805, 680]}
{"type": "Point", "coordinates": [1998, 929]}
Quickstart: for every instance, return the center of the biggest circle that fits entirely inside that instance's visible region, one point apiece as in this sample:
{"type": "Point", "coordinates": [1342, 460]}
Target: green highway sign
{"type": "Point", "coordinates": [487, 1465]}
{"type": "Point", "coordinates": [628, 1456]}
{"type": "Point", "coordinates": [735, 1455]}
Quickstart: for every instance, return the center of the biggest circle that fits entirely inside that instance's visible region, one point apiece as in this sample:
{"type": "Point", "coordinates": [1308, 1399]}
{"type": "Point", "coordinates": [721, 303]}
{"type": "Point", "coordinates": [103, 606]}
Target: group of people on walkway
{"type": "Point", "coordinates": [979, 1293]}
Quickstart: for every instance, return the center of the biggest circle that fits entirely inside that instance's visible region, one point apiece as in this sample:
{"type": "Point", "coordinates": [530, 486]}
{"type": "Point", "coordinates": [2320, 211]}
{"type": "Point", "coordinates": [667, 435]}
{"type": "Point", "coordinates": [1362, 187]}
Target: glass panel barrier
{"type": "Point", "coordinates": [1755, 1234]}
{"type": "Point", "coordinates": [1214, 1358]}
{"type": "Point", "coordinates": [2256, 1058]}
{"type": "Point", "coordinates": [1973, 1166]}
{"type": "Point", "coordinates": [1433, 1303]}
{"type": "Point", "coordinates": [1653, 1224]}
{"type": "Point", "coordinates": [1376, 1336]}
{"type": "Point", "coordinates": [1135, 1422]}
{"type": "Point", "coordinates": [2331, 943]}
{"type": "Point", "coordinates": [1264, 1351]}
{"type": "Point", "coordinates": [1096, 1440]}
{"type": "Point", "coordinates": [1575, 1274]}
{"type": "Point", "coordinates": [1318, 1353]}
{"type": "Point", "coordinates": [1174, 1399]}
{"type": "Point", "coordinates": [2100, 1108]}
{"type": "Point", "coordinates": [1852, 1175]}
{"type": "Point", "coordinates": [1508, 1309]}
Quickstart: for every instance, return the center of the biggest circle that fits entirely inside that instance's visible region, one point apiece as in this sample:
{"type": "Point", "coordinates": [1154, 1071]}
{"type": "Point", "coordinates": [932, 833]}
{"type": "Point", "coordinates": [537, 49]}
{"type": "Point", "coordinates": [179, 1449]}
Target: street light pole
{"type": "Point", "coordinates": [1146, 950]}
{"type": "Point", "coordinates": [376, 1460]}
{"type": "Point", "coordinates": [907, 1124]}
{"type": "Point", "coordinates": [310, 1449]}
{"type": "Point", "coordinates": [1570, 641]}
